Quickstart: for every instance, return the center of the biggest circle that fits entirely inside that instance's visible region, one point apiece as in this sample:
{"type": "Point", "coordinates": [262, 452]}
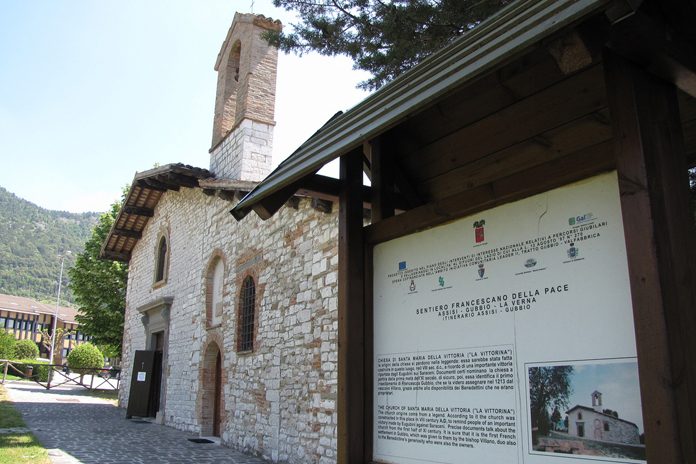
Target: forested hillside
{"type": "Point", "coordinates": [31, 242]}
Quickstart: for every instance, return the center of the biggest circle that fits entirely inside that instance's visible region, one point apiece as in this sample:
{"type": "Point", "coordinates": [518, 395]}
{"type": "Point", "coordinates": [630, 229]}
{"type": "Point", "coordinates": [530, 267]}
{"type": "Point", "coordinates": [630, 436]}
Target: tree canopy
{"type": "Point", "coordinates": [549, 387]}
{"type": "Point", "coordinates": [99, 287]}
{"type": "Point", "coordinates": [383, 37]}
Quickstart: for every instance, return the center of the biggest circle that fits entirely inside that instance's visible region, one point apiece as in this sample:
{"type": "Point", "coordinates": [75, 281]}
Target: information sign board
{"type": "Point", "coordinates": [507, 337]}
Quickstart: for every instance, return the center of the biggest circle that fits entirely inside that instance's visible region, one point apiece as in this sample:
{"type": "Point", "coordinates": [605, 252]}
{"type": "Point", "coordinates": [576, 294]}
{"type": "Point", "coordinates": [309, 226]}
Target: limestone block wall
{"type": "Point", "coordinates": [279, 400]}
{"type": "Point", "coordinates": [245, 153]}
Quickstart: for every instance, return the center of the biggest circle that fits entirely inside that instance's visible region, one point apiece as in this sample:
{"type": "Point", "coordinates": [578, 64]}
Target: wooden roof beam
{"type": "Point", "coordinates": [152, 185]}
{"type": "Point", "coordinates": [268, 206]}
{"type": "Point", "coordinates": [138, 210]}
{"type": "Point", "coordinates": [116, 256]}
{"type": "Point", "coordinates": [127, 233]}
{"type": "Point", "coordinates": [180, 179]}
{"type": "Point", "coordinates": [646, 41]}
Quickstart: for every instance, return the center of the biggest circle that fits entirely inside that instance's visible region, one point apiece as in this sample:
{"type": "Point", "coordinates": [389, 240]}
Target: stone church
{"type": "Point", "coordinates": [593, 423]}
{"type": "Point", "coordinates": [243, 314]}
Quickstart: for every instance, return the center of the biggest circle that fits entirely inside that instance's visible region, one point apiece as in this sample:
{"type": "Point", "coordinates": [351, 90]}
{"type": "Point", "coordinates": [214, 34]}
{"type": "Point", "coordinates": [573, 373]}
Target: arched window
{"type": "Point", "coordinates": [235, 59]}
{"type": "Point", "coordinates": [214, 291]}
{"type": "Point", "coordinates": [162, 261]}
{"type": "Point", "coordinates": [247, 315]}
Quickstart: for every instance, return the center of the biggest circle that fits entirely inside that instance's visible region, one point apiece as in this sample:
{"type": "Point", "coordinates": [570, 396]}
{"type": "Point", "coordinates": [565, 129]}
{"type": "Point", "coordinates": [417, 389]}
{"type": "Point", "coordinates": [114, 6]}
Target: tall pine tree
{"type": "Point", "coordinates": [383, 37]}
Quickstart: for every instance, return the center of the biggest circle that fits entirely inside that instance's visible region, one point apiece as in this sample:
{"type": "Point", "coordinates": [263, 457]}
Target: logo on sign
{"type": "Point", "coordinates": [479, 231]}
{"type": "Point", "coordinates": [412, 287]}
{"type": "Point", "coordinates": [531, 262]}
{"type": "Point", "coordinates": [402, 265]}
{"type": "Point", "coordinates": [580, 219]}
{"type": "Point", "coordinates": [441, 281]}
{"type": "Point", "coordinates": [481, 270]}
{"type": "Point", "coordinates": [573, 251]}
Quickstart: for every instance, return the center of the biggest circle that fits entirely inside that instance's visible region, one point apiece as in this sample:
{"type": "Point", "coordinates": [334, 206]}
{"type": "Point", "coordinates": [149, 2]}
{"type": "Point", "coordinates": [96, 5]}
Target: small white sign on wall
{"type": "Point", "coordinates": [141, 376]}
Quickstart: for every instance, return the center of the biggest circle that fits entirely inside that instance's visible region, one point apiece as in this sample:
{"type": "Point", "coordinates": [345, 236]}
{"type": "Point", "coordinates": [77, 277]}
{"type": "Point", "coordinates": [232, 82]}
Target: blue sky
{"type": "Point", "coordinates": [92, 91]}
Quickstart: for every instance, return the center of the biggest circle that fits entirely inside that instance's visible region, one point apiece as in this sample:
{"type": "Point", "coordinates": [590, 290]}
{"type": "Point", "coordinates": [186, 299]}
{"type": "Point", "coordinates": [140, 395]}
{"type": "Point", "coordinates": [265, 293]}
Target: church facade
{"type": "Point", "coordinates": [595, 423]}
{"type": "Point", "coordinates": [243, 314]}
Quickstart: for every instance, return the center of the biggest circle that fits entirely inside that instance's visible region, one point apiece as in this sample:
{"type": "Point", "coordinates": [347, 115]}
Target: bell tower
{"type": "Point", "coordinates": [597, 401]}
{"type": "Point", "coordinates": [245, 100]}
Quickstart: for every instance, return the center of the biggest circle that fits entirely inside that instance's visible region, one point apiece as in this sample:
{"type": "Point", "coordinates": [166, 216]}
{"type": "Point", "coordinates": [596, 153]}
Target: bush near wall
{"type": "Point", "coordinates": [26, 349]}
{"type": "Point", "coordinates": [39, 369]}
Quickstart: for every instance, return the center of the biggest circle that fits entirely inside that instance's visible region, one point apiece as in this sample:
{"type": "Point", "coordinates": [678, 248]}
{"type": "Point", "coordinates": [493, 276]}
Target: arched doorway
{"type": "Point", "coordinates": [212, 403]}
{"type": "Point", "coordinates": [217, 402]}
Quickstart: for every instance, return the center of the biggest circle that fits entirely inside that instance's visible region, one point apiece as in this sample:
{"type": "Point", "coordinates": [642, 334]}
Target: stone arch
{"type": "Point", "coordinates": [211, 377]}
{"type": "Point", "coordinates": [215, 289]}
{"type": "Point", "coordinates": [162, 253]}
{"type": "Point", "coordinates": [229, 78]}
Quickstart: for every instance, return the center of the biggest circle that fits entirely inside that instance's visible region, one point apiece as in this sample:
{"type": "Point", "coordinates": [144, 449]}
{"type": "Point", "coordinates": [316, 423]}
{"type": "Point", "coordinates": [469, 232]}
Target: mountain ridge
{"type": "Point", "coordinates": [32, 240]}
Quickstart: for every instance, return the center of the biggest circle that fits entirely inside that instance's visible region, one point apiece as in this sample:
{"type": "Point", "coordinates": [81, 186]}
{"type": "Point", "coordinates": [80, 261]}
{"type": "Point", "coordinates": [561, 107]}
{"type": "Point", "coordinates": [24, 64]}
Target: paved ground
{"type": "Point", "coordinates": [81, 429]}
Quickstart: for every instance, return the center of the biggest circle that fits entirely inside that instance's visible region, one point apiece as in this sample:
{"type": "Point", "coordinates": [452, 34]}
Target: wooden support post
{"type": "Point", "coordinates": [382, 182]}
{"type": "Point", "coordinates": [4, 371]}
{"type": "Point", "coordinates": [350, 312]}
{"type": "Point", "coordinates": [661, 255]}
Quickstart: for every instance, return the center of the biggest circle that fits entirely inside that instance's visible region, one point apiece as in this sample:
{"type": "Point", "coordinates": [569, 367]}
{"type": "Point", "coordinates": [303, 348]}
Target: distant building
{"type": "Point", "coordinates": [25, 318]}
{"type": "Point", "coordinates": [593, 424]}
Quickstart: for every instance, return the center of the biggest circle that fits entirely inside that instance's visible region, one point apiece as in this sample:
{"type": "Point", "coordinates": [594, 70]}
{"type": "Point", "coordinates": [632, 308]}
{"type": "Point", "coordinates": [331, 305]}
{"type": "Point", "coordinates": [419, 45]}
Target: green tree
{"type": "Point", "coordinates": [61, 333]}
{"type": "Point", "coordinates": [26, 349]}
{"type": "Point", "coordinates": [383, 37]}
{"type": "Point", "coordinates": [549, 388]}
{"type": "Point", "coordinates": [99, 287]}
{"type": "Point", "coordinates": [7, 345]}
{"type": "Point", "coordinates": [555, 417]}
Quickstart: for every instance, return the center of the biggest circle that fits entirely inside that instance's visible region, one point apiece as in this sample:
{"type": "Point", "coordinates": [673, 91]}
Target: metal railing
{"type": "Point", "coordinates": [56, 375]}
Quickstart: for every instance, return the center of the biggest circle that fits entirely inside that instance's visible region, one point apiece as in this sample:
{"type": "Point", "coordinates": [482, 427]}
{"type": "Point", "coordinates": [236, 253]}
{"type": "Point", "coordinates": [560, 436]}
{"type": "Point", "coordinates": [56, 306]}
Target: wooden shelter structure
{"type": "Point", "coordinates": [544, 93]}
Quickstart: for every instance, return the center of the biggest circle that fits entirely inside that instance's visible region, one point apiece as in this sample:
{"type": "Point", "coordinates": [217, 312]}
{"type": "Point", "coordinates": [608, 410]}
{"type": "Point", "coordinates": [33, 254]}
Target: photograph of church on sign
{"type": "Point", "coordinates": [594, 424]}
{"type": "Point", "coordinates": [595, 430]}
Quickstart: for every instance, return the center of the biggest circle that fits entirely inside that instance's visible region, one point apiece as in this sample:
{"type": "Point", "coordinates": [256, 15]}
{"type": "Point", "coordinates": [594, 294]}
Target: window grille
{"type": "Point", "coordinates": [247, 297]}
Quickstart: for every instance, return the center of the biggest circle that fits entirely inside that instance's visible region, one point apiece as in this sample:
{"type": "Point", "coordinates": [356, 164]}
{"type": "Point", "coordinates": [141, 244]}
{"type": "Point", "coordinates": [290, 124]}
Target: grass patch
{"type": "Point", "coordinates": [9, 417]}
{"type": "Point", "coordinates": [17, 448]}
{"type": "Point", "coordinates": [22, 448]}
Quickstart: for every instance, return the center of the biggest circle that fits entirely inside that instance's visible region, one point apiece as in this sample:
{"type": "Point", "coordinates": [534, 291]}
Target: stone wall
{"type": "Point", "coordinates": [279, 400]}
{"type": "Point", "coordinates": [245, 153]}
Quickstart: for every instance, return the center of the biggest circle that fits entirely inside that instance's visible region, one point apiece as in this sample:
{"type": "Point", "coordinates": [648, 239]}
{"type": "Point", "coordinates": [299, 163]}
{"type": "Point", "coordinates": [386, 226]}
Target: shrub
{"type": "Point", "coordinates": [7, 344]}
{"type": "Point", "coordinates": [40, 369]}
{"type": "Point", "coordinates": [26, 349]}
{"type": "Point", "coordinates": [85, 356]}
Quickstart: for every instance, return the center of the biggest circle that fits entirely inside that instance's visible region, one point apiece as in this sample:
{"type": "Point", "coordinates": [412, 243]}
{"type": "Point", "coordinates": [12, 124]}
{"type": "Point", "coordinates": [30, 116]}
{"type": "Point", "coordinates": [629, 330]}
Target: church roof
{"type": "Point", "coordinates": [139, 206]}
